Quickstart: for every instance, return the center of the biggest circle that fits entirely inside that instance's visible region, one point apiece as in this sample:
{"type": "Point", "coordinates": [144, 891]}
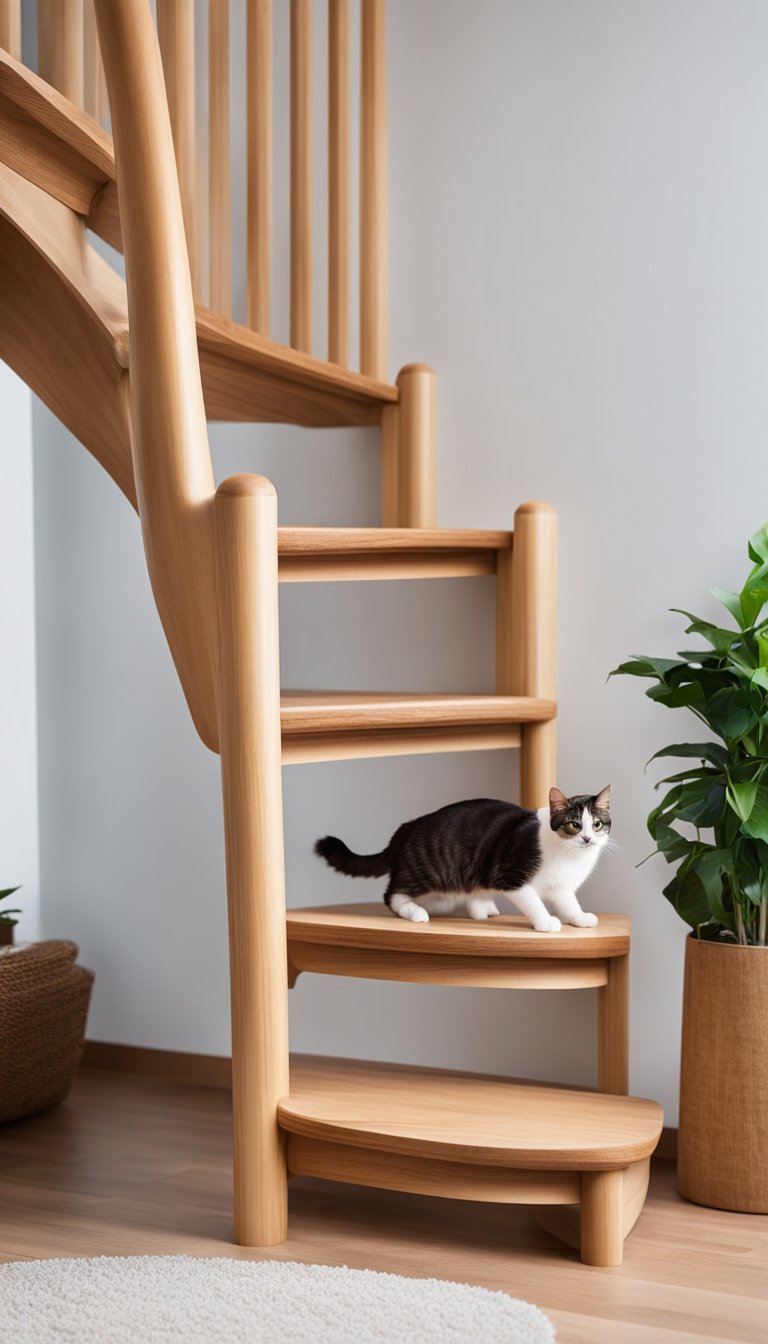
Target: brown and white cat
{"type": "Point", "coordinates": [464, 856]}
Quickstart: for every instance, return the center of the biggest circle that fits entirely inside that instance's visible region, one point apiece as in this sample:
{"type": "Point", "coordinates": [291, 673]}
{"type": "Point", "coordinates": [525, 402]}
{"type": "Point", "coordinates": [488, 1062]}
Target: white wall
{"type": "Point", "coordinates": [19, 839]}
{"type": "Point", "coordinates": [578, 245]}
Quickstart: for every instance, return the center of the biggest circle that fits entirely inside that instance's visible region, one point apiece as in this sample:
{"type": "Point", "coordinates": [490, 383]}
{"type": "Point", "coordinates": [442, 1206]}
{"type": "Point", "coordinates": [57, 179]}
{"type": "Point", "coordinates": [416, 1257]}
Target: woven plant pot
{"type": "Point", "coordinates": [44, 1001]}
{"type": "Point", "coordinates": [723, 1140]}
{"type": "Point", "coordinates": [6, 933]}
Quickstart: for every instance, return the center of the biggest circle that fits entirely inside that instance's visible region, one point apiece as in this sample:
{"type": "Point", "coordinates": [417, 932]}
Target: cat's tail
{"type": "Point", "coordinates": [340, 857]}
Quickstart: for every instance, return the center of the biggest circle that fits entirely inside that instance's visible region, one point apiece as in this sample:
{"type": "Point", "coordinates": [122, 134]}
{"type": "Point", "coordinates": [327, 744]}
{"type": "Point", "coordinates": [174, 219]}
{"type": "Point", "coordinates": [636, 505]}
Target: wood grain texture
{"type": "Point", "coordinates": [338, 181]}
{"type": "Point", "coordinates": [373, 190]}
{"type": "Point", "coordinates": [417, 447]}
{"type": "Point", "coordinates": [219, 174]}
{"type": "Point", "coordinates": [301, 175]}
{"type": "Point", "coordinates": [94, 84]}
{"type": "Point", "coordinates": [141, 1166]}
{"type": "Point", "coordinates": [420, 1176]}
{"type": "Point", "coordinates": [75, 360]}
{"type": "Point", "coordinates": [426, 968]}
{"type": "Point", "coordinates": [525, 639]}
{"type": "Point", "coordinates": [246, 550]}
{"type": "Point", "coordinates": [10, 27]}
{"type": "Point", "coordinates": [357, 553]}
{"type": "Point", "coordinates": [47, 139]}
{"type": "Point", "coordinates": [60, 46]}
{"type": "Point", "coordinates": [613, 1030]}
{"type": "Point", "coordinates": [371, 925]}
{"type": "Point", "coordinates": [463, 1117]}
{"type": "Point", "coordinates": [172, 462]}
{"type": "Point", "coordinates": [259, 151]}
{"type": "Point", "coordinates": [346, 711]}
{"type": "Point", "coordinates": [176, 35]}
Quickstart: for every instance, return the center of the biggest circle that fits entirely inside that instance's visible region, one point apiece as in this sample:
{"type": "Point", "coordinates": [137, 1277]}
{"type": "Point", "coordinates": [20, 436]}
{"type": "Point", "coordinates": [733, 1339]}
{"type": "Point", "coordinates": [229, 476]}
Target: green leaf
{"type": "Point", "coordinates": [730, 712]}
{"type": "Point", "coordinates": [676, 697]}
{"type": "Point", "coordinates": [756, 824]}
{"type": "Point", "coordinates": [640, 666]}
{"type": "Point", "coordinates": [702, 751]}
{"type": "Point", "coordinates": [732, 602]}
{"type": "Point", "coordinates": [742, 797]}
{"type": "Point", "coordinates": [687, 895]}
{"type": "Point", "coordinates": [671, 844]}
{"type": "Point", "coordinates": [701, 803]}
{"type": "Point", "coordinates": [758, 545]}
{"type": "Point", "coordinates": [761, 637]}
{"type": "Point", "coordinates": [8, 891]}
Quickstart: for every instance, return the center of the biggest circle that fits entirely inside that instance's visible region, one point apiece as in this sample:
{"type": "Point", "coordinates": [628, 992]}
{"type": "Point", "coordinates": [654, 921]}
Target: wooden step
{"type": "Point", "coordinates": [319, 554]}
{"type": "Point", "coordinates": [470, 1136]}
{"type": "Point", "coordinates": [342, 725]}
{"type": "Point", "coordinates": [366, 940]}
{"type": "Point", "coordinates": [246, 377]}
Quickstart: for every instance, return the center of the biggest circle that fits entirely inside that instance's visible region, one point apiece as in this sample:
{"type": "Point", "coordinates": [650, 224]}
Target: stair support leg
{"type": "Point", "coordinates": [613, 1029]}
{"type": "Point", "coordinates": [249, 696]}
{"type": "Point", "coordinates": [409, 451]}
{"type": "Point", "coordinates": [525, 639]}
{"type": "Point", "coordinates": [602, 1218]}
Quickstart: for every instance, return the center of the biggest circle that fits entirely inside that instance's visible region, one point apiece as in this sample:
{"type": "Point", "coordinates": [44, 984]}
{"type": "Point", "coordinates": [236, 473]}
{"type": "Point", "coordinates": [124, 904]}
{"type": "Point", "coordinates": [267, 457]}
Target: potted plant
{"type": "Point", "coordinates": [7, 921]}
{"type": "Point", "coordinates": [712, 826]}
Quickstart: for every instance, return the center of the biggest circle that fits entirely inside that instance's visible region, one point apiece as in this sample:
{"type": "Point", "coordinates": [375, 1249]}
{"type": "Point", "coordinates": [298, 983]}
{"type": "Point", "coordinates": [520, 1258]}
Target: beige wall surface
{"type": "Point", "coordinates": [579, 246]}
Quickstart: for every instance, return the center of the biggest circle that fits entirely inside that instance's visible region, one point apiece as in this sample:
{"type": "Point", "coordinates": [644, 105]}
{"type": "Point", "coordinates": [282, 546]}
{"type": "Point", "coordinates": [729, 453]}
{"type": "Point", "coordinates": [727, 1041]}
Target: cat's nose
{"type": "Point", "coordinates": [587, 839]}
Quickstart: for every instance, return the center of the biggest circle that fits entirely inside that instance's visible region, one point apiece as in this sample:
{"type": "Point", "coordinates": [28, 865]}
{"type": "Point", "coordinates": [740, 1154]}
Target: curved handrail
{"type": "Point", "coordinates": [171, 457]}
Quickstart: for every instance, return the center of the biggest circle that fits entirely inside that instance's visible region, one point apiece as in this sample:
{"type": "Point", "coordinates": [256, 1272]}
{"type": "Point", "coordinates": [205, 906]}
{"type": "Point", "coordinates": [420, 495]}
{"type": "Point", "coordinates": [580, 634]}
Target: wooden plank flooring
{"type": "Point", "coordinates": [133, 1166]}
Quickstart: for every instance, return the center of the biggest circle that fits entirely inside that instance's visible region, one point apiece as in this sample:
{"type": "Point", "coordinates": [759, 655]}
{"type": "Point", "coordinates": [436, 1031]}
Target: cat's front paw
{"type": "Point", "coordinates": [548, 924]}
{"type": "Point", "coordinates": [584, 920]}
{"type": "Point", "coordinates": [482, 909]}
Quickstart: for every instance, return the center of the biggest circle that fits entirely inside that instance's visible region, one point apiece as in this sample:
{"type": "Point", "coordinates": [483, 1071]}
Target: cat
{"type": "Point", "coordinates": [465, 855]}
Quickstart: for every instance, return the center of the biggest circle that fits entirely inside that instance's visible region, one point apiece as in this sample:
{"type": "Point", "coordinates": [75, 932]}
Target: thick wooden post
{"type": "Point", "coordinates": [60, 46]}
{"type": "Point", "coordinates": [525, 639]}
{"type": "Point", "coordinates": [10, 27]}
{"type": "Point", "coordinates": [417, 447]}
{"type": "Point", "coordinates": [602, 1218]}
{"type": "Point", "coordinates": [613, 1029]}
{"type": "Point", "coordinates": [246, 548]}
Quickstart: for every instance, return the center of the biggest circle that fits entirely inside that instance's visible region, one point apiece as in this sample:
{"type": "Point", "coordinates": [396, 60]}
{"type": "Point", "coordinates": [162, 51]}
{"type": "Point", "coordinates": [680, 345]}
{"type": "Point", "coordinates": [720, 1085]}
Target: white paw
{"type": "Point", "coordinates": [419, 915]}
{"type": "Point", "coordinates": [584, 920]}
{"type": "Point", "coordinates": [482, 909]}
{"type": "Point", "coordinates": [548, 924]}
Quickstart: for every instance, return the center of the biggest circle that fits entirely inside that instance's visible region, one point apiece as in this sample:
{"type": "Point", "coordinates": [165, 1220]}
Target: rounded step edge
{"type": "Point", "coordinates": [466, 1117]}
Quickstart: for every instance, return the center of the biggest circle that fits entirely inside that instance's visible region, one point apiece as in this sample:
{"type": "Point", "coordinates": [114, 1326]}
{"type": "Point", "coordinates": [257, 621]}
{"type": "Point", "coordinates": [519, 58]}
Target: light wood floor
{"type": "Point", "coordinates": [137, 1166]}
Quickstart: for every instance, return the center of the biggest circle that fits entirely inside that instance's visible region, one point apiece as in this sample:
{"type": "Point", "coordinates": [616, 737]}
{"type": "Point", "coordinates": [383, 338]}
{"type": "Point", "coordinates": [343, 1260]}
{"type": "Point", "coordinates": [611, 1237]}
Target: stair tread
{"type": "Point", "coordinates": [371, 925]}
{"type": "Point", "coordinates": [347, 711]}
{"type": "Point", "coordinates": [365, 540]}
{"type": "Point", "coordinates": [473, 1118]}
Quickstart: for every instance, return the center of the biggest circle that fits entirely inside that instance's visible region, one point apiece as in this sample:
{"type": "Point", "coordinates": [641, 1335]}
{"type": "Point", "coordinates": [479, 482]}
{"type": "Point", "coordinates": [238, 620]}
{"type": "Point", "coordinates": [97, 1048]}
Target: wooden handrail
{"type": "Point", "coordinates": [171, 457]}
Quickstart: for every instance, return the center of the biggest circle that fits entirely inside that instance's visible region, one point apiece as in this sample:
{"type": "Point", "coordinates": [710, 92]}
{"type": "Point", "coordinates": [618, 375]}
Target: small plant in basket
{"type": "Point", "coordinates": [7, 917]}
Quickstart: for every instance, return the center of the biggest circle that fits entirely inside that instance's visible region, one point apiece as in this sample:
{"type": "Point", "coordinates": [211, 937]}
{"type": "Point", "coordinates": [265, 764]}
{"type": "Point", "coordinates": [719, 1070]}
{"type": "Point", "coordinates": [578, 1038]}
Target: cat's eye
{"type": "Point", "coordinates": [573, 827]}
{"type": "Point", "coordinates": [597, 824]}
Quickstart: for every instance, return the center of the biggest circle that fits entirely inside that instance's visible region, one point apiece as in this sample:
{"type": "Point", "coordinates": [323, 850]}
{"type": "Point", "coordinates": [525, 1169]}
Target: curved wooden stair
{"type": "Point", "coordinates": [137, 396]}
{"type": "Point", "coordinates": [471, 1136]}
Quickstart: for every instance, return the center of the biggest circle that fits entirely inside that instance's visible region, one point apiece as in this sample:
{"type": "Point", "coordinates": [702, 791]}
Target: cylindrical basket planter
{"type": "Point", "coordinates": [44, 1001]}
{"type": "Point", "coordinates": [723, 1140]}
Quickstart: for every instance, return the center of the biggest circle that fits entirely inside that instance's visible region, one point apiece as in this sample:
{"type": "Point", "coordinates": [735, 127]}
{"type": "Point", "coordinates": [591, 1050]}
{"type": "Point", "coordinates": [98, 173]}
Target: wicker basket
{"type": "Point", "coordinates": [44, 1001]}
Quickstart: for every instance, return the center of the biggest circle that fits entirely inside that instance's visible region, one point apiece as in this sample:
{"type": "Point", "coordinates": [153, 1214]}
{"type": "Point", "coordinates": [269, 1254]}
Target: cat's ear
{"type": "Point", "coordinates": [603, 799]}
{"type": "Point", "coordinates": [557, 800]}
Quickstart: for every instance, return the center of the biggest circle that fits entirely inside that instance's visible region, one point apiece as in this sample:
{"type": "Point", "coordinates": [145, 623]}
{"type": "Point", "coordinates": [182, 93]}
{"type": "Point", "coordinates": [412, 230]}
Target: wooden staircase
{"type": "Point", "coordinates": [133, 369]}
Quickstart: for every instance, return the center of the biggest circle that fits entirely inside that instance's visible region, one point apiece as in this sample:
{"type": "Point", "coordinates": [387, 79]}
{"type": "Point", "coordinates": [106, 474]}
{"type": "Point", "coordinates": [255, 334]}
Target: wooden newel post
{"type": "Point", "coordinates": [417, 447]}
{"type": "Point", "coordinates": [245, 513]}
{"type": "Point", "coordinates": [525, 639]}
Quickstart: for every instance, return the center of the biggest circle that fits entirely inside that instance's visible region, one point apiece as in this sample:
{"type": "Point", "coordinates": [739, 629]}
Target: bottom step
{"type": "Point", "coordinates": [470, 1136]}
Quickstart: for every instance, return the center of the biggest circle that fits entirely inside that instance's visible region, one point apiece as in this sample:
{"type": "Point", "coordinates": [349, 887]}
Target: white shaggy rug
{"type": "Point", "coordinates": [177, 1299]}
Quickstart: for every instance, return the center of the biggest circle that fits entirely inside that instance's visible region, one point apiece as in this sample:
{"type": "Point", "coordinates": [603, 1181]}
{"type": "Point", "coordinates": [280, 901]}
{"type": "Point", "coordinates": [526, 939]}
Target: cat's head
{"type": "Point", "coordinates": [582, 820]}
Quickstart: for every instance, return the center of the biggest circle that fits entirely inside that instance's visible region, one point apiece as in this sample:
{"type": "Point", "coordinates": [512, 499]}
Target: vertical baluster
{"type": "Point", "coordinates": [259, 113]}
{"type": "Point", "coordinates": [373, 191]}
{"type": "Point", "coordinates": [10, 27]}
{"type": "Point", "coordinates": [95, 88]}
{"type": "Point", "coordinates": [301, 175]}
{"type": "Point", "coordinates": [338, 181]}
{"type": "Point", "coordinates": [176, 33]}
{"type": "Point", "coordinates": [219, 185]}
{"type": "Point", "coordinates": [60, 46]}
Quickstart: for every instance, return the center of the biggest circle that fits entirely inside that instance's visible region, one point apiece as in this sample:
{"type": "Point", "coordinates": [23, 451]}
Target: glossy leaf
{"type": "Point", "coordinates": [702, 751]}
